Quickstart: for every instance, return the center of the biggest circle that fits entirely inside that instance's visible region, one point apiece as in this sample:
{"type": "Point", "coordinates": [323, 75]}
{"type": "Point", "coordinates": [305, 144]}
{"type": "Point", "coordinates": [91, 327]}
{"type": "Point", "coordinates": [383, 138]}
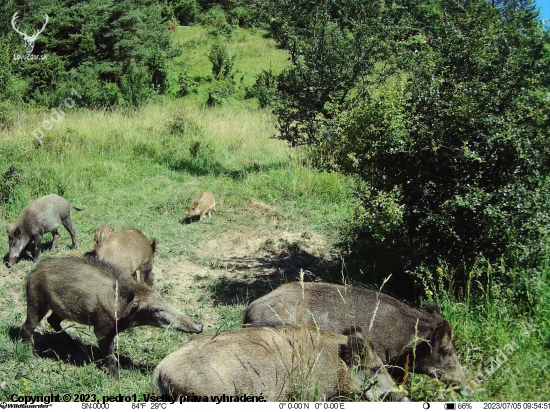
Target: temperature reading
{"type": "Point", "coordinates": [464, 405]}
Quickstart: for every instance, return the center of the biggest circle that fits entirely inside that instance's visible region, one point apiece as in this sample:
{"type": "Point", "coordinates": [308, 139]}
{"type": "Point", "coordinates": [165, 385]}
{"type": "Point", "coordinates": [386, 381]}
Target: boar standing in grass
{"type": "Point", "coordinates": [202, 205]}
{"type": "Point", "coordinates": [40, 217]}
{"type": "Point", "coordinates": [84, 290]}
{"type": "Point", "coordinates": [128, 251]}
{"type": "Point", "coordinates": [399, 333]}
{"type": "Point", "coordinates": [280, 363]}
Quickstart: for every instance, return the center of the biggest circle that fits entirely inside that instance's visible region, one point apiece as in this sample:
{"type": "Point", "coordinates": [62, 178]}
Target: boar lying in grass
{"type": "Point", "coordinates": [128, 251]}
{"type": "Point", "coordinates": [40, 217]}
{"type": "Point", "coordinates": [280, 363]}
{"type": "Point", "coordinates": [202, 205]}
{"type": "Point", "coordinates": [84, 290]}
{"type": "Point", "coordinates": [399, 333]}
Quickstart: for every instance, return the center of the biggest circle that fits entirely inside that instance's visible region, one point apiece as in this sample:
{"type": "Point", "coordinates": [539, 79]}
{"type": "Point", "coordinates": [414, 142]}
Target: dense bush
{"type": "Point", "coordinates": [264, 89]}
{"type": "Point", "coordinates": [439, 108]}
{"type": "Point", "coordinates": [455, 153]}
{"type": "Point", "coordinates": [186, 11]}
{"type": "Point", "coordinates": [221, 59]}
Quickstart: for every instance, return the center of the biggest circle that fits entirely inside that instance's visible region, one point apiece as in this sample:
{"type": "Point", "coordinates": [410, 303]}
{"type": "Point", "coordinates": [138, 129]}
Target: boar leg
{"type": "Point", "coordinates": [35, 313]}
{"type": "Point", "coordinates": [36, 251]}
{"type": "Point", "coordinates": [105, 340]}
{"type": "Point", "coordinates": [55, 322]}
{"type": "Point", "coordinates": [55, 235]}
{"type": "Point", "coordinates": [69, 226]}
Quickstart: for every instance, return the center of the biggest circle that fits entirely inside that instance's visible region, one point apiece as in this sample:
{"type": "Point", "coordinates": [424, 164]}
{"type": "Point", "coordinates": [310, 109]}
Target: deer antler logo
{"type": "Point", "coordinates": [29, 39]}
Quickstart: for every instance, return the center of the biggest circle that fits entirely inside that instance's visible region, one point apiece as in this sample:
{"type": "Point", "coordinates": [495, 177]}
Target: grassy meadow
{"type": "Point", "coordinates": [275, 214]}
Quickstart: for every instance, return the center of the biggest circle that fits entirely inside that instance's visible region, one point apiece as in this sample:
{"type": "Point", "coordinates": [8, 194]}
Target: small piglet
{"type": "Point", "coordinates": [202, 205]}
{"type": "Point", "coordinates": [41, 216]}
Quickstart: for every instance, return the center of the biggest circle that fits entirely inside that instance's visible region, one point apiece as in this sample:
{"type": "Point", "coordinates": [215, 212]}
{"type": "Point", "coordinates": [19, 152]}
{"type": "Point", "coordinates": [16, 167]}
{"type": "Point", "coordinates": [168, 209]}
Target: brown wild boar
{"type": "Point", "coordinates": [83, 290]}
{"type": "Point", "coordinates": [40, 217]}
{"type": "Point", "coordinates": [278, 363]}
{"type": "Point", "coordinates": [399, 333]}
{"type": "Point", "coordinates": [128, 251]}
{"type": "Point", "coordinates": [202, 205]}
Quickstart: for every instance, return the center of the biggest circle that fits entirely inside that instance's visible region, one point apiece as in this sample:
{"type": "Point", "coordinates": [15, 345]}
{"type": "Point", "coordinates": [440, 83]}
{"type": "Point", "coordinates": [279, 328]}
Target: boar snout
{"type": "Point", "coordinates": [178, 321]}
{"type": "Point", "coordinates": [155, 311]}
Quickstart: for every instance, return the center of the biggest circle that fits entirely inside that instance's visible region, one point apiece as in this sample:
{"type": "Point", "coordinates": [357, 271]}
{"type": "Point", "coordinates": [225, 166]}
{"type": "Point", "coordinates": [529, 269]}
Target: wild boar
{"type": "Point", "coordinates": [278, 363]}
{"type": "Point", "coordinates": [400, 335]}
{"type": "Point", "coordinates": [41, 216]}
{"type": "Point", "coordinates": [202, 205]}
{"type": "Point", "coordinates": [86, 290]}
{"type": "Point", "coordinates": [128, 251]}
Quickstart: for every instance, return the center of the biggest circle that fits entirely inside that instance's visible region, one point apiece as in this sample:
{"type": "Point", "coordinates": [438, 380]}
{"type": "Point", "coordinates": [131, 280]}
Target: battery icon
{"type": "Point", "coordinates": [450, 406]}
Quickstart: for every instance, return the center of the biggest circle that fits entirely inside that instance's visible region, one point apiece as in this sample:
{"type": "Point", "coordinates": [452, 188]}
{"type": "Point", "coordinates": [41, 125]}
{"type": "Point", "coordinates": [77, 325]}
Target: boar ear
{"type": "Point", "coordinates": [351, 351]}
{"type": "Point", "coordinates": [442, 336]}
{"type": "Point", "coordinates": [432, 308]}
{"type": "Point", "coordinates": [8, 229]}
{"type": "Point", "coordinates": [133, 306]}
{"type": "Point", "coordinates": [17, 232]}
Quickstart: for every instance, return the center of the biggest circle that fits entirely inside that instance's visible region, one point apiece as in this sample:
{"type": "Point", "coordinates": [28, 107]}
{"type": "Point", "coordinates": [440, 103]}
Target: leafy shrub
{"type": "Point", "coordinates": [136, 85]}
{"type": "Point", "coordinates": [454, 156]}
{"type": "Point", "coordinates": [11, 178]}
{"type": "Point", "coordinates": [217, 18]}
{"type": "Point", "coordinates": [265, 88]}
{"type": "Point", "coordinates": [222, 62]}
{"type": "Point", "coordinates": [220, 91]}
{"type": "Point", "coordinates": [186, 83]}
{"type": "Point", "coordinates": [241, 16]}
{"type": "Point", "coordinates": [156, 63]}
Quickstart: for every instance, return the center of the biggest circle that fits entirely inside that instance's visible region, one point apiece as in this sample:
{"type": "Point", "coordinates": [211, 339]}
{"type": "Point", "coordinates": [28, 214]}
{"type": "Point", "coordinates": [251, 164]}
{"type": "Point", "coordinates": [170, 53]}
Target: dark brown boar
{"type": "Point", "coordinates": [396, 331]}
{"type": "Point", "coordinates": [128, 251]}
{"type": "Point", "coordinates": [40, 217]}
{"type": "Point", "coordinates": [277, 363]}
{"type": "Point", "coordinates": [85, 290]}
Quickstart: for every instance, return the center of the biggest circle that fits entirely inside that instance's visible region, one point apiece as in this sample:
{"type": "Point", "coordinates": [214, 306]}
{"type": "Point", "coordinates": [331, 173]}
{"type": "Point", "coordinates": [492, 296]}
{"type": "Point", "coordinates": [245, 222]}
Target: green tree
{"type": "Point", "coordinates": [454, 154]}
{"type": "Point", "coordinates": [334, 47]}
{"type": "Point", "coordinates": [97, 39]}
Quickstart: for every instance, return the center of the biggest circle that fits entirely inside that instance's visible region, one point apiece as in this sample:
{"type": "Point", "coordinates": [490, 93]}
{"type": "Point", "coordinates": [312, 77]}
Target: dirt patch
{"type": "Point", "coordinates": [237, 268]}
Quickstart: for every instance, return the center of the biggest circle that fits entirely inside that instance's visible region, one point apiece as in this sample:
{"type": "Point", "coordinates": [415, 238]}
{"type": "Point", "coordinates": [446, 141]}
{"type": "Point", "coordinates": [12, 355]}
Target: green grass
{"type": "Point", "coordinates": [142, 169]}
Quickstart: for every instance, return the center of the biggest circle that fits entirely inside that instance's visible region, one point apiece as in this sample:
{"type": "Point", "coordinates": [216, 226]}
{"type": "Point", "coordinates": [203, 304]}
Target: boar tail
{"type": "Point", "coordinates": [77, 208]}
{"type": "Point", "coordinates": [154, 244]}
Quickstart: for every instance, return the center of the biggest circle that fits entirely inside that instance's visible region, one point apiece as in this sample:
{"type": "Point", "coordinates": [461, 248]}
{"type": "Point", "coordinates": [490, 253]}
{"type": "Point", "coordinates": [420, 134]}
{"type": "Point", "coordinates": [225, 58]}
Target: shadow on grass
{"type": "Point", "coordinates": [61, 346]}
{"type": "Point", "coordinates": [26, 253]}
{"type": "Point", "coordinates": [264, 272]}
{"type": "Point", "coordinates": [203, 167]}
{"type": "Point", "coordinates": [261, 274]}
